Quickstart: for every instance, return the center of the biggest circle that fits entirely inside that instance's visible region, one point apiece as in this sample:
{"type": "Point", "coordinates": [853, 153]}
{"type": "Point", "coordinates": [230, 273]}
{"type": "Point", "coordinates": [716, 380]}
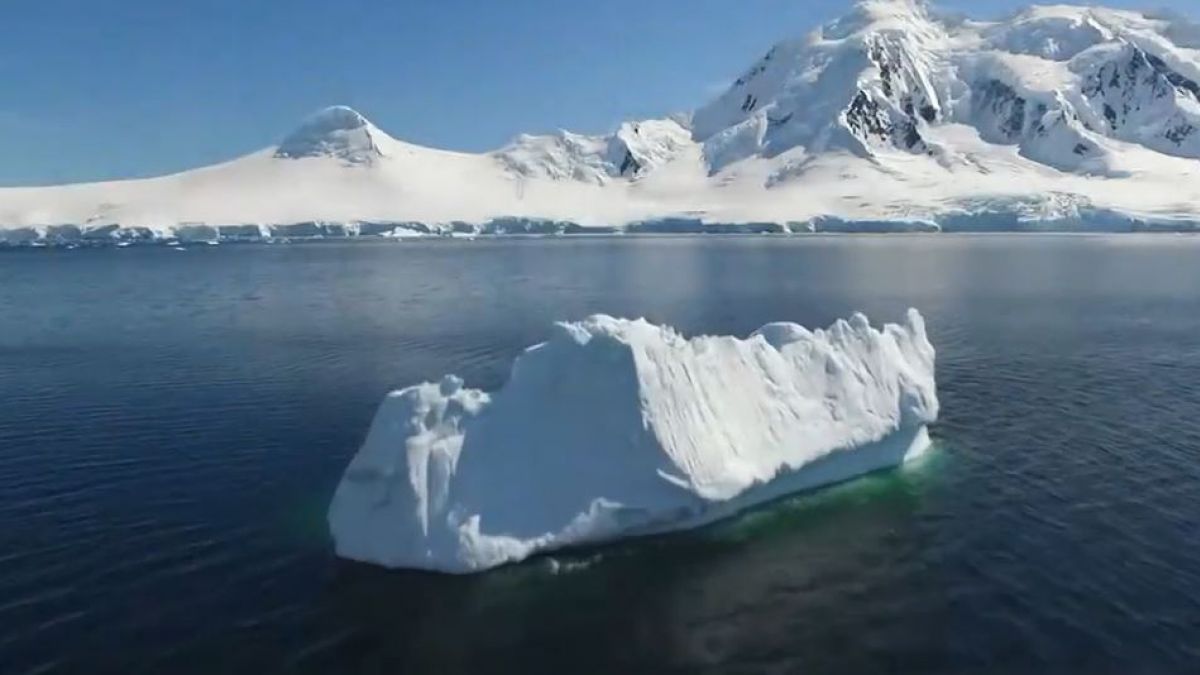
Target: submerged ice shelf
{"type": "Point", "coordinates": [615, 428]}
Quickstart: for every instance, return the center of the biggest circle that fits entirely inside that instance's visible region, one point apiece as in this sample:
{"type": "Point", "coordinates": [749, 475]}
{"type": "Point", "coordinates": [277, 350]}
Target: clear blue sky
{"type": "Point", "coordinates": [95, 89]}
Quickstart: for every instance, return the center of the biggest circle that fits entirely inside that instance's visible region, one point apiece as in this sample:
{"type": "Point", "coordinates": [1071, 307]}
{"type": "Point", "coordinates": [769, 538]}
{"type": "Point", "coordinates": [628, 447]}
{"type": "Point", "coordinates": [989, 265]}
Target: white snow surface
{"type": "Point", "coordinates": [893, 117]}
{"type": "Point", "coordinates": [615, 428]}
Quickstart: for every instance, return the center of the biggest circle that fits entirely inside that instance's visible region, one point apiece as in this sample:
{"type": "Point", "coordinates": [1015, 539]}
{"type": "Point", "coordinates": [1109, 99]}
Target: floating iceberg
{"type": "Point", "coordinates": [615, 428]}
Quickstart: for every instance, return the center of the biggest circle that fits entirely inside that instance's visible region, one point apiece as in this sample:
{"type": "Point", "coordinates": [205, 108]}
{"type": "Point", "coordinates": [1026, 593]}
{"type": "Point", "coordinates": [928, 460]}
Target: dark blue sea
{"type": "Point", "coordinates": [173, 424]}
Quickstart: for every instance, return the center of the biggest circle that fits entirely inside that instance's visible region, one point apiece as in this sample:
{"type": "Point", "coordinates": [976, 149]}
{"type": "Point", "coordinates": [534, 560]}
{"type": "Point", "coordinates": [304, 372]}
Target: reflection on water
{"type": "Point", "coordinates": [173, 425]}
{"type": "Point", "coordinates": [684, 600]}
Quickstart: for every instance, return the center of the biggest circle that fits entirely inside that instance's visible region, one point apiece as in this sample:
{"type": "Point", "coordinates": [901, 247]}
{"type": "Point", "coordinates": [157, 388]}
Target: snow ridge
{"type": "Point", "coordinates": [635, 148]}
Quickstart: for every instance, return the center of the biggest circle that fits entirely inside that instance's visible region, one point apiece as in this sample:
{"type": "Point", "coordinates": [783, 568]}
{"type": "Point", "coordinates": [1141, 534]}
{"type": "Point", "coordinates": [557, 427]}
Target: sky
{"type": "Point", "coordinates": [101, 89]}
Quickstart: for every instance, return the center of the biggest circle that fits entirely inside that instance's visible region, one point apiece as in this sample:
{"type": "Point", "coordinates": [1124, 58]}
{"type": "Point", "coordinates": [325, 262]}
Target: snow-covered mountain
{"type": "Point", "coordinates": [893, 117]}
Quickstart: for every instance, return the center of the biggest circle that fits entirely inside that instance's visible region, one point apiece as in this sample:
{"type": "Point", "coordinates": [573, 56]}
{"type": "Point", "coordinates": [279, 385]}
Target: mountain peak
{"type": "Point", "coordinates": [339, 132]}
{"type": "Point", "coordinates": [888, 7]}
{"type": "Point", "coordinates": [340, 115]}
{"type": "Point", "coordinates": [872, 15]}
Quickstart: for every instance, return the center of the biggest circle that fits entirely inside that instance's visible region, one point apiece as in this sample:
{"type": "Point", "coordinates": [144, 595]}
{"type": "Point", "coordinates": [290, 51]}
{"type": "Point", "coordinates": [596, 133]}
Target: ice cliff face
{"type": "Point", "coordinates": [894, 117]}
{"type": "Point", "coordinates": [616, 428]}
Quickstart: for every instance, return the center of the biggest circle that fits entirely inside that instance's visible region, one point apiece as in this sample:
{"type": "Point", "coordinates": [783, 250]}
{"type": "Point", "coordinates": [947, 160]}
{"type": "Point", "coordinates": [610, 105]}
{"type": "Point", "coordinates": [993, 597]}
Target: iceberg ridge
{"type": "Point", "coordinates": [615, 428]}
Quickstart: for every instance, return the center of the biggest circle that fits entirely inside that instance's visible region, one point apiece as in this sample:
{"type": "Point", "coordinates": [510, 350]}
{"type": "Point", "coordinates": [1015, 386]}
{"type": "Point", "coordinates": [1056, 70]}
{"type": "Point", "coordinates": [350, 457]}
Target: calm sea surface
{"type": "Point", "coordinates": [173, 424]}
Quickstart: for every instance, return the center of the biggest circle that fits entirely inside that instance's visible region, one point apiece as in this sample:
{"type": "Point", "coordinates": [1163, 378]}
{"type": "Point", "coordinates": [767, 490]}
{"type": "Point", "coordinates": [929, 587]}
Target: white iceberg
{"type": "Point", "coordinates": [616, 428]}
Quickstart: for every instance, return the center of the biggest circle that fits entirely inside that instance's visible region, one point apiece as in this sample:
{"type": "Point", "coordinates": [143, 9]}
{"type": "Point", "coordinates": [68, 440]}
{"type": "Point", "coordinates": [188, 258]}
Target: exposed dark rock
{"type": "Point", "coordinates": [1179, 133]}
{"type": "Point", "coordinates": [773, 123]}
{"type": "Point", "coordinates": [1006, 106]}
{"type": "Point", "coordinates": [1172, 76]}
{"type": "Point", "coordinates": [865, 118]}
{"type": "Point", "coordinates": [629, 165]}
{"type": "Point", "coordinates": [756, 70]}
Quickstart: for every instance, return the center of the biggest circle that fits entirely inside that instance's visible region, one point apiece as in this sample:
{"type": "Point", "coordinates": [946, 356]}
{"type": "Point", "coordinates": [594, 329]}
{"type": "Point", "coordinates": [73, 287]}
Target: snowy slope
{"type": "Point", "coordinates": [617, 428]}
{"type": "Point", "coordinates": [635, 149]}
{"type": "Point", "coordinates": [893, 117]}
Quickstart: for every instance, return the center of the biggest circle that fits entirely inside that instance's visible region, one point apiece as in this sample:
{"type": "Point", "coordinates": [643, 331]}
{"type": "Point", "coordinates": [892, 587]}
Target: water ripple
{"type": "Point", "coordinates": [167, 453]}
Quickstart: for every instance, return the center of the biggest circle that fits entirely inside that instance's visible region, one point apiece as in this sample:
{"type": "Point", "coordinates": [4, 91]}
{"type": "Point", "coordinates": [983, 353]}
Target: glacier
{"type": "Point", "coordinates": [895, 117]}
{"type": "Point", "coordinates": [618, 428]}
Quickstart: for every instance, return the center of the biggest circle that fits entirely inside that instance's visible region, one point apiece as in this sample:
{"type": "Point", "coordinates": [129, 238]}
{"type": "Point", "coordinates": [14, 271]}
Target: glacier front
{"type": "Point", "coordinates": [615, 428]}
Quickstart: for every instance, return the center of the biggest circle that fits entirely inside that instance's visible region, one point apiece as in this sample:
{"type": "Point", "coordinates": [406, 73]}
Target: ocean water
{"type": "Point", "coordinates": [173, 424]}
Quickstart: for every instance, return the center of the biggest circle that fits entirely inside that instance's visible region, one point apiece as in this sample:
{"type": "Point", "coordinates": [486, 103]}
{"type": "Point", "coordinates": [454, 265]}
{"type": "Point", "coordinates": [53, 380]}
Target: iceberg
{"type": "Point", "coordinates": [617, 428]}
